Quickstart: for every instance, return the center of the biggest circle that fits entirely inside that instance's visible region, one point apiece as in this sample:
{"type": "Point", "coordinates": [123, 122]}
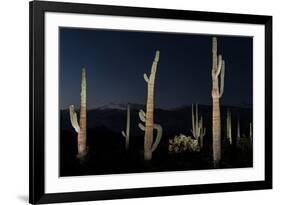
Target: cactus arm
{"type": "Point", "coordinates": [145, 78]}
{"type": "Point", "coordinates": [73, 118]}
{"type": "Point", "coordinates": [141, 126]}
{"type": "Point", "coordinates": [197, 127]}
{"type": "Point", "coordinates": [204, 132]}
{"type": "Point", "coordinates": [200, 128]}
{"type": "Point", "coordinates": [218, 70]}
{"type": "Point", "coordinates": [142, 115]}
{"type": "Point", "coordinates": [158, 137]}
{"type": "Point", "coordinates": [123, 133]}
{"type": "Point", "coordinates": [157, 56]}
{"type": "Point", "coordinates": [202, 138]}
{"type": "Point", "coordinates": [193, 121]}
{"type": "Point", "coordinates": [222, 79]}
{"type": "Point", "coordinates": [128, 120]}
{"type": "Point", "coordinates": [238, 132]}
{"type": "Point", "coordinates": [197, 124]}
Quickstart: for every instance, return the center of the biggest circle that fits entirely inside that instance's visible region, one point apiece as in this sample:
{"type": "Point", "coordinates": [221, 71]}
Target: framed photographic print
{"type": "Point", "coordinates": [139, 102]}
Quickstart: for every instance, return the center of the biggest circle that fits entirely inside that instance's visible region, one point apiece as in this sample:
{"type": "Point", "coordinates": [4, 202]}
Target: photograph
{"type": "Point", "coordinates": [145, 101]}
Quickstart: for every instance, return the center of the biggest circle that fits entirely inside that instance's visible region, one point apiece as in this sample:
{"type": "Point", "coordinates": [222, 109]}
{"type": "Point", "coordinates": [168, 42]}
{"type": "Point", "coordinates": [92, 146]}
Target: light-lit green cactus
{"type": "Point", "coordinates": [127, 133]}
{"type": "Point", "coordinates": [81, 128]}
{"type": "Point", "coordinates": [148, 117]}
{"type": "Point", "coordinates": [198, 131]}
{"type": "Point", "coordinates": [228, 127]}
{"type": "Point", "coordinates": [217, 71]}
{"type": "Point", "coordinates": [250, 132]}
{"type": "Point", "coordinates": [246, 142]}
{"type": "Point", "coordinates": [238, 133]}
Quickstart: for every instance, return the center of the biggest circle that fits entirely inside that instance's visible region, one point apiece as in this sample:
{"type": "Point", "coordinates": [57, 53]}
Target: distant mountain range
{"type": "Point", "coordinates": [174, 121]}
{"type": "Point", "coordinates": [119, 106]}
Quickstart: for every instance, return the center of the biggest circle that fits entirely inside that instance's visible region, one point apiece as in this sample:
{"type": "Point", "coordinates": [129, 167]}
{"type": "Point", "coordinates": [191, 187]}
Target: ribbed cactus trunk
{"type": "Point", "coordinates": [81, 127]}
{"type": "Point", "coordinates": [147, 117]}
{"type": "Point", "coordinates": [216, 132]}
{"type": "Point", "coordinates": [217, 70]}
{"type": "Point", "coordinates": [148, 136]}
{"type": "Point", "coordinates": [82, 135]}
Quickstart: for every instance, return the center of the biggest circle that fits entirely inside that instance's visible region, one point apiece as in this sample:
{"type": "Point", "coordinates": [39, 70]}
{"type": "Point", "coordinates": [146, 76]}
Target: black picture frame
{"type": "Point", "coordinates": [37, 10]}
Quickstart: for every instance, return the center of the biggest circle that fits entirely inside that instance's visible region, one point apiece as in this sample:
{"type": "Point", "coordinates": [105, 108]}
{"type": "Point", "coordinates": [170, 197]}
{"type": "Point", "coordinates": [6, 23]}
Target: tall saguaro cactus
{"type": "Point", "coordinates": [228, 127]}
{"type": "Point", "coordinates": [217, 74]}
{"type": "Point", "coordinates": [197, 126]}
{"type": "Point", "coordinates": [147, 117]}
{"type": "Point", "coordinates": [81, 128]}
{"type": "Point", "coordinates": [127, 133]}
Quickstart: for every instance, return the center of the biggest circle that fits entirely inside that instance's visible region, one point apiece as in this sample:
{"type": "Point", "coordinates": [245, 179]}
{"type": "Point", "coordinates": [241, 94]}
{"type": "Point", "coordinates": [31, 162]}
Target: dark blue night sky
{"type": "Point", "coordinates": [116, 60]}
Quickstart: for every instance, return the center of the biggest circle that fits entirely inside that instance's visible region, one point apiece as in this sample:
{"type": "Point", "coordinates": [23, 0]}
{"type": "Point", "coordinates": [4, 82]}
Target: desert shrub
{"type": "Point", "coordinates": [182, 143]}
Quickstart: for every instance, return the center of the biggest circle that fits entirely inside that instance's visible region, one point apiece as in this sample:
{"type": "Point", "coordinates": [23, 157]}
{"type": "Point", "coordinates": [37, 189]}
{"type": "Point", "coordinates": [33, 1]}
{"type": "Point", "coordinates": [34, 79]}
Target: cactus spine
{"type": "Point", "coordinates": [228, 127]}
{"type": "Point", "coordinates": [147, 117]}
{"type": "Point", "coordinates": [127, 134]}
{"type": "Point", "coordinates": [217, 71]}
{"type": "Point", "coordinates": [197, 126]}
{"type": "Point", "coordinates": [82, 126]}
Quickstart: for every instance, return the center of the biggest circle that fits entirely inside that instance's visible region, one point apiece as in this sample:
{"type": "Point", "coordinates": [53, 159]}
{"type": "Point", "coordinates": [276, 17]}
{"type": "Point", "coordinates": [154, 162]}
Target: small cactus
{"type": "Point", "coordinates": [127, 133]}
{"type": "Point", "coordinates": [246, 142]}
{"type": "Point", "coordinates": [250, 132]}
{"type": "Point", "coordinates": [197, 131]}
{"type": "Point", "coordinates": [228, 127]}
{"type": "Point", "coordinates": [238, 133]}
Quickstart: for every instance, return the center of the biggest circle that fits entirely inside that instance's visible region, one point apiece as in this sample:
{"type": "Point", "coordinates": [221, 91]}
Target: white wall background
{"type": "Point", "coordinates": [14, 44]}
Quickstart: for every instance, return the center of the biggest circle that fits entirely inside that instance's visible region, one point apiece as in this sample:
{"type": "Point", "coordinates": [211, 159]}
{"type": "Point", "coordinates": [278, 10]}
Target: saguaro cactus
{"type": "Point", "coordinates": [238, 133]}
{"type": "Point", "coordinates": [127, 133]}
{"type": "Point", "coordinates": [81, 128]}
{"type": "Point", "coordinates": [197, 126]}
{"type": "Point", "coordinates": [251, 131]}
{"type": "Point", "coordinates": [217, 71]}
{"type": "Point", "coordinates": [228, 127]}
{"type": "Point", "coordinates": [147, 117]}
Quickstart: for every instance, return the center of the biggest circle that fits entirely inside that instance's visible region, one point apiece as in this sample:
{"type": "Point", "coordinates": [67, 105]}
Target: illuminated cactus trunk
{"type": "Point", "coordinates": [81, 128]}
{"type": "Point", "coordinates": [147, 117]}
{"type": "Point", "coordinates": [217, 71]}
{"type": "Point", "coordinates": [251, 132]}
{"type": "Point", "coordinates": [127, 134]}
{"type": "Point", "coordinates": [238, 133]}
{"type": "Point", "coordinates": [228, 127]}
